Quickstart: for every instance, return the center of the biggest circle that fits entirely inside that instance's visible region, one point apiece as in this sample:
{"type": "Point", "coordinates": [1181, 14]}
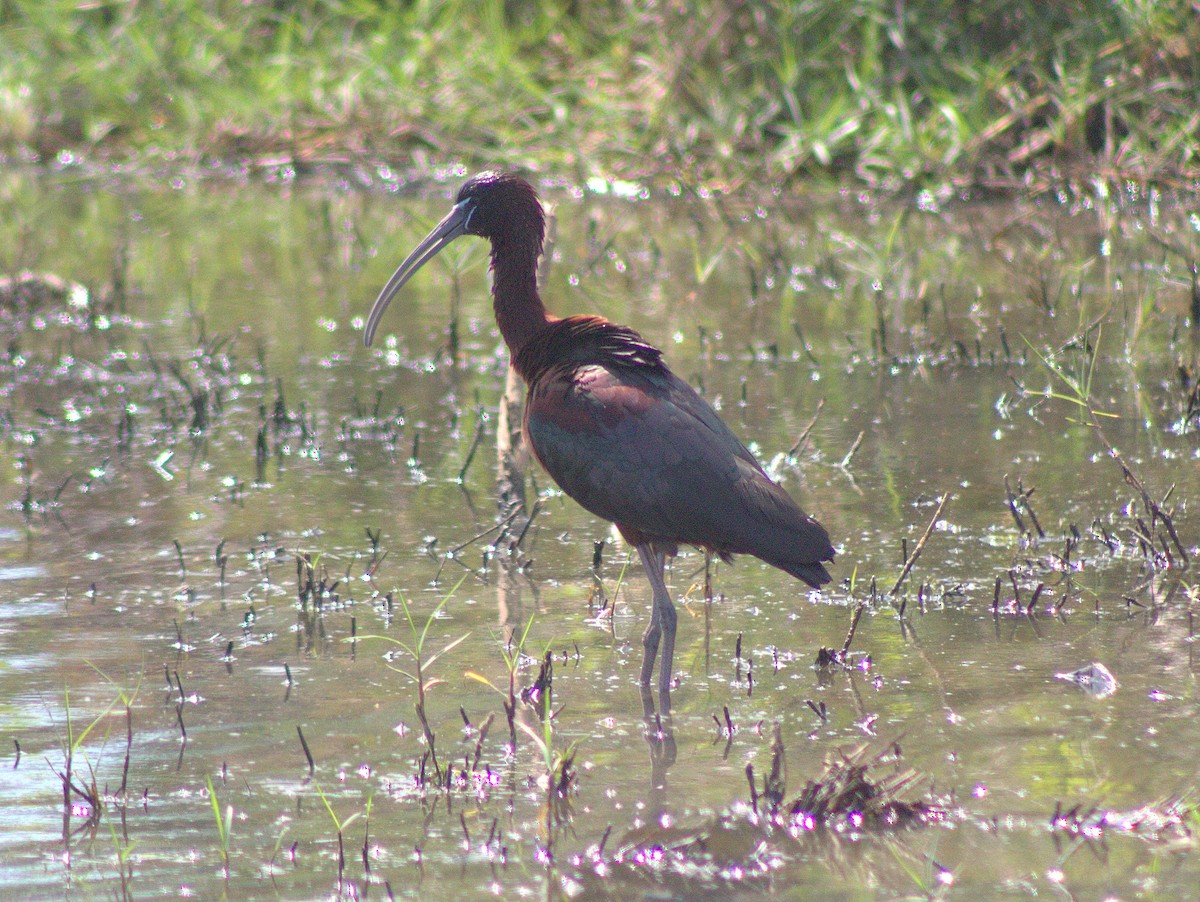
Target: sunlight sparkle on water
{"type": "Point", "coordinates": [927, 381]}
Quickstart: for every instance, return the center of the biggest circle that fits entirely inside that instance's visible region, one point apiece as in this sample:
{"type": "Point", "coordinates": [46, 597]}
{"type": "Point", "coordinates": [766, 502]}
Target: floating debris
{"type": "Point", "coordinates": [852, 799]}
{"type": "Point", "coordinates": [1165, 821]}
{"type": "Point", "coordinates": [1095, 679]}
{"type": "Point", "coordinates": [28, 291]}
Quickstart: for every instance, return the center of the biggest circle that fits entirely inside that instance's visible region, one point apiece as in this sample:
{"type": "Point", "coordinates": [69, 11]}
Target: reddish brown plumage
{"type": "Point", "coordinates": [634, 444]}
{"type": "Point", "coordinates": [616, 429]}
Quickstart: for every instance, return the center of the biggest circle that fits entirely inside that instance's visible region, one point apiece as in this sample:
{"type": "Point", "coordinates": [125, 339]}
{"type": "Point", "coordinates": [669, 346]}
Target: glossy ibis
{"type": "Point", "coordinates": [616, 429]}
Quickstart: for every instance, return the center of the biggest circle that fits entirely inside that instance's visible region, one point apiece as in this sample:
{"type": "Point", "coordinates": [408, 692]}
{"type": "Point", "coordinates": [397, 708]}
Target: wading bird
{"type": "Point", "coordinates": [617, 430]}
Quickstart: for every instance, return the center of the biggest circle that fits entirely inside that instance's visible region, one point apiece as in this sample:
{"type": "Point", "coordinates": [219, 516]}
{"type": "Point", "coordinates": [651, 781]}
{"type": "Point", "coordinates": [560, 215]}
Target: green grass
{"type": "Point", "coordinates": [224, 823]}
{"type": "Point", "coordinates": [422, 662]}
{"type": "Point", "coordinates": [925, 91]}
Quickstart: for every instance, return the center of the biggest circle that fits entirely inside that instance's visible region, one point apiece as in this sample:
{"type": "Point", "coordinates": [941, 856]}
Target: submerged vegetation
{"type": "Point", "coordinates": [926, 91]}
{"type": "Point", "coordinates": [999, 419]}
{"type": "Point", "coordinates": [995, 407]}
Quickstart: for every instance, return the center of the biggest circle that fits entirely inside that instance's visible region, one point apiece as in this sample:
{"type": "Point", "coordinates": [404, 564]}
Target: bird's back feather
{"type": "Point", "coordinates": [634, 444]}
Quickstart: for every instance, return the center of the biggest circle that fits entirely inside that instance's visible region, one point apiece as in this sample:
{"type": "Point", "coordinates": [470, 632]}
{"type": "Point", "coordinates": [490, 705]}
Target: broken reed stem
{"type": "Point", "coordinates": [1026, 494]}
{"type": "Point", "coordinates": [128, 750]}
{"type": "Point", "coordinates": [307, 754]}
{"type": "Point", "coordinates": [1021, 496]}
{"type": "Point", "coordinates": [498, 527]}
{"type": "Point", "coordinates": [425, 727]}
{"type": "Point", "coordinates": [1012, 506]}
{"type": "Point", "coordinates": [845, 464]}
{"type": "Point", "coordinates": [533, 512]}
{"type": "Point", "coordinates": [858, 611]}
{"type": "Point", "coordinates": [795, 449]}
{"type": "Point", "coordinates": [912, 558]}
{"type": "Point", "coordinates": [775, 785]}
{"type": "Point", "coordinates": [479, 430]}
{"type": "Point", "coordinates": [1156, 512]}
{"type": "Point", "coordinates": [483, 731]}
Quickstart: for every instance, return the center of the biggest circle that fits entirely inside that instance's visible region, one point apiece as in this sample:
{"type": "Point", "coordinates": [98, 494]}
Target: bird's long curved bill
{"type": "Point", "coordinates": [443, 233]}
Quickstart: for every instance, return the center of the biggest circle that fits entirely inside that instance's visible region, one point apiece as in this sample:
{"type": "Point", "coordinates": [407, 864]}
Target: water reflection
{"type": "Point", "coordinates": [240, 303]}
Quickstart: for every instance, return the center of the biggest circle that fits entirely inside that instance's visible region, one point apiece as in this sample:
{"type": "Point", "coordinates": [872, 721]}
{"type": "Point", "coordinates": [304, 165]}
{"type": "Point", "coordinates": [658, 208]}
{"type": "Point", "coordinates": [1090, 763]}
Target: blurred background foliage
{"type": "Point", "coordinates": [887, 92]}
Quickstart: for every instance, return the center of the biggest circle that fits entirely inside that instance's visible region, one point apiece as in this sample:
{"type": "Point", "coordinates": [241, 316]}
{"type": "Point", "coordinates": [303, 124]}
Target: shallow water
{"type": "Point", "coordinates": [929, 327]}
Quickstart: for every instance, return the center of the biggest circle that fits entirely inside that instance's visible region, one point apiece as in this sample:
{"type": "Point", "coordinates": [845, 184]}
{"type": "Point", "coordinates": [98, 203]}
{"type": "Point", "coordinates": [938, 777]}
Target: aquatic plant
{"type": "Point", "coordinates": [422, 662]}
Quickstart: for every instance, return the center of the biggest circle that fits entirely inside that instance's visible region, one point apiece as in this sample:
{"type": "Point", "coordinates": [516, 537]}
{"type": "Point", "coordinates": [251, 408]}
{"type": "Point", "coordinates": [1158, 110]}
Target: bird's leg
{"type": "Point", "coordinates": [650, 640]}
{"type": "Point", "coordinates": [662, 624]}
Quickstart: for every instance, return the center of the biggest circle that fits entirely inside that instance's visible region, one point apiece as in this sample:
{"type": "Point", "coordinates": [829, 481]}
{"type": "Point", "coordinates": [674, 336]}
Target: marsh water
{"type": "Point", "coordinates": [195, 413]}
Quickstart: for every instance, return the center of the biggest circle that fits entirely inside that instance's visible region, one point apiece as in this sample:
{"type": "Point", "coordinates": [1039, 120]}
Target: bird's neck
{"type": "Point", "coordinates": [520, 313]}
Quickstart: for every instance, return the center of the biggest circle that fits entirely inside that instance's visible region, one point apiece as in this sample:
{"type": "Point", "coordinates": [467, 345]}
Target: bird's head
{"type": "Point", "coordinates": [499, 206]}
